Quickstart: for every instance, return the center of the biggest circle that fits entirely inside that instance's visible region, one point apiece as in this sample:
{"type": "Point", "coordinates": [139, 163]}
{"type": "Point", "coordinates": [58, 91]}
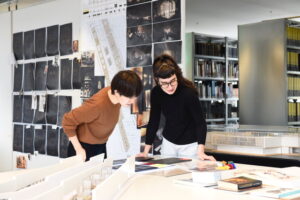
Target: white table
{"type": "Point", "coordinates": [149, 187]}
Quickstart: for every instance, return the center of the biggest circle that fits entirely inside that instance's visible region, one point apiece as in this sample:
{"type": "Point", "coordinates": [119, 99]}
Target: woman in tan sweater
{"type": "Point", "coordinates": [89, 126]}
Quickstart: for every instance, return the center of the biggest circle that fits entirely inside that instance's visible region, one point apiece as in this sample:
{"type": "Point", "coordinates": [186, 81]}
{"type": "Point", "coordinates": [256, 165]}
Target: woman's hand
{"type": "Point", "coordinates": [143, 154]}
{"type": "Point", "coordinates": [78, 148]}
{"type": "Point", "coordinates": [81, 152]}
{"type": "Point", "coordinates": [146, 151]}
{"type": "Point", "coordinates": [202, 156]}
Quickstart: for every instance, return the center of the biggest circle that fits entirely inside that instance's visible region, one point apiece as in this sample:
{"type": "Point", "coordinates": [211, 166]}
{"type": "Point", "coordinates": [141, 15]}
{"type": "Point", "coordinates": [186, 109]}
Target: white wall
{"type": "Point", "coordinates": [43, 15]}
{"type": "Point", "coordinates": [6, 93]}
{"type": "Point", "coordinates": [221, 18]}
{"type": "Point", "coordinates": [185, 70]}
{"type": "Point", "coordinates": [52, 13]}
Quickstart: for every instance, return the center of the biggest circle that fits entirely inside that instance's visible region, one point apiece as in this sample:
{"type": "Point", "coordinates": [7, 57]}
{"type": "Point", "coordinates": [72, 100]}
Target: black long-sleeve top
{"type": "Point", "coordinates": [185, 122]}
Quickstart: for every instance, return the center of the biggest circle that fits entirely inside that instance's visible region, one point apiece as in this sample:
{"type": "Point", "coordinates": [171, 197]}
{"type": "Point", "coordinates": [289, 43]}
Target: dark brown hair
{"type": "Point", "coordinates": [127, 83]}
{"type": "Point", "coordinates": [164, 66]}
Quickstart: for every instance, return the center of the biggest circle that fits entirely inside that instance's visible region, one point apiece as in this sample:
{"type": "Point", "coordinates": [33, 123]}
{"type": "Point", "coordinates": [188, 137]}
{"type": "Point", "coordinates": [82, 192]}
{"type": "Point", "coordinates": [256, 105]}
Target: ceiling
{"type": "Point", "coordinates": [21, 4]}
{"type": "Point", "coordinates": [215, 17]}
{"type": "Point", "coordinates": [221, 17]}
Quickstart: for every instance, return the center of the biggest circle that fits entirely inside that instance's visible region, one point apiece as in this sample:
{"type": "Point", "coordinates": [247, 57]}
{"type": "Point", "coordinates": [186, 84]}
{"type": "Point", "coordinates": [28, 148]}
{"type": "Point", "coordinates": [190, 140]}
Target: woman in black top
{"type": "Point", "coordinates": [185, 129]}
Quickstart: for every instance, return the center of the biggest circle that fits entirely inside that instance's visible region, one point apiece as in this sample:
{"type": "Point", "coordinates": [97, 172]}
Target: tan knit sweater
{"type": "Point", "coordinates": [94, 121]}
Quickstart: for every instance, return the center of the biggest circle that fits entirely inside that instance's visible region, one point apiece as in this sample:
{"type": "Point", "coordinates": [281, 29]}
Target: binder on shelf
{"type": "Point", "coordinates": [298, 111]}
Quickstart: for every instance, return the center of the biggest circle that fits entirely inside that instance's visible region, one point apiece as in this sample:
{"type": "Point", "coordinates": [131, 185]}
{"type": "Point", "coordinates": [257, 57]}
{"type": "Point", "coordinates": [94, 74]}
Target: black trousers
{"type": "Point", "coordinates": [90, 149]}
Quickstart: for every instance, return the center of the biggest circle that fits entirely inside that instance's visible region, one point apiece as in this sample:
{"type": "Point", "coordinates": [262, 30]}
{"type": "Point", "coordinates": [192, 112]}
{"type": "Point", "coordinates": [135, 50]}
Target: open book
{"type": "Point", "coordinates": [277, 192]}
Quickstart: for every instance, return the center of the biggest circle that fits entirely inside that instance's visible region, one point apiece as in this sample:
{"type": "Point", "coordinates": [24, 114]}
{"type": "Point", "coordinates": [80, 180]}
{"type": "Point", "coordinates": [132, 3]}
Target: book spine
{"type": "Point", "coordinates": [248, 185]}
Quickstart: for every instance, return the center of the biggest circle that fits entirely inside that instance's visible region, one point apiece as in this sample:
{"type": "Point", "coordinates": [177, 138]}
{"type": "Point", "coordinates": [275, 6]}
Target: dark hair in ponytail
{"type": "Point", "coordinates": [164, 66]}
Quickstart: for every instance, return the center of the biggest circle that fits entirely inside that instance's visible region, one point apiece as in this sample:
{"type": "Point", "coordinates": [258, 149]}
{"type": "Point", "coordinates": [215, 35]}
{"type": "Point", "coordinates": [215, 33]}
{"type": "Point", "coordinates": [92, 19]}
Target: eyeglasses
{"type": "Point", "coordinates": [165, 85]}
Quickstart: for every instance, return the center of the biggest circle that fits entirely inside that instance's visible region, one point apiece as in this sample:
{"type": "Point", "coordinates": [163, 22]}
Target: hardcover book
{"type": "Point", "coordinates": [238, 183]}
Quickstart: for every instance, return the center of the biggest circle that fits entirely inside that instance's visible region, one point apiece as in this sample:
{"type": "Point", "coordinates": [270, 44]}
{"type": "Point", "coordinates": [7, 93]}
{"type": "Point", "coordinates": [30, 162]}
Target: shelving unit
{"type": "Point", "coordinates": [215, 74]}
{"type": "Point", "coordinates": [269, 53]}
{"type": "Point", "coordinates": [293, 71]}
